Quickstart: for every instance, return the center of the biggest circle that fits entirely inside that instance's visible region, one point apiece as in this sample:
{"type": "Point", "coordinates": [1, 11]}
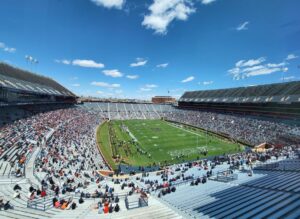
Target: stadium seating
{"type": "Point", "coordinates": [263, 93]}
{"type": "Point", "coordinates": [249, 130]}
{"type": "Point", "coordinates": [15, 78]}
{"type": "Point", "coordinates": [129, 110]}
{"type": "Point", "coordinates": [281, 100]}
{"type": "Point", "coordinates": [271, 194]}
{"type": "Point", "coordinates": [52, 150]}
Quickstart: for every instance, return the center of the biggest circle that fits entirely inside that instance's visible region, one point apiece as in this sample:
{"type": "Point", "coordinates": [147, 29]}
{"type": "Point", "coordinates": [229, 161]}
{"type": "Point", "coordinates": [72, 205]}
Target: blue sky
{"type": "Point", "coordinates": [137, 48]}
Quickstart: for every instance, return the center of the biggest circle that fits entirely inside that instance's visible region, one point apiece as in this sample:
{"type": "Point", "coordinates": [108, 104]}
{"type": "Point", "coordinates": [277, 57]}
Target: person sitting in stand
{"type": "Point", "coordinates": [117, 208]}
{"type": "Point", "coordinates": [17, 187]}
{"type": "Point", "coordinates": [17, 194]}
{"type": "Point", "coordinates": [7, 206]}
{"type": "Point", "coordinates": [54, 200]}
{"type": "Point", "coordinates": [57, 204]}
{"type": "Point", "coordinates": [43, 193]}
{"type": "Point", "coordinates": [110, 209]}
{"type": "Point", "coordinates": [64, 205]}
{"type": "Point", "coordinates": [100, 208]}
{"type": "Point", "coordinates": [73, 206]}
{"type": "Point", "coordinates": [1, 203]}
{"type": "Point", "coordinates": [105, 209]}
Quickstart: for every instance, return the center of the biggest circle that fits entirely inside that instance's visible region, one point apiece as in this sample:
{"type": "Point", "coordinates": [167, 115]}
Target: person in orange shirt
{"type": "Point", "coordinates": [64, 205]}
{"type": "Point", "coordinates": [105, 209]}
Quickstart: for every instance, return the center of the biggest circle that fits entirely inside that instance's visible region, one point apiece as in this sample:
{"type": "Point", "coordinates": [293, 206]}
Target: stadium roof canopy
{"type": "Point", "coordinates": [285, 93]}
{"type": "Point", "coordinates": [17, 79]}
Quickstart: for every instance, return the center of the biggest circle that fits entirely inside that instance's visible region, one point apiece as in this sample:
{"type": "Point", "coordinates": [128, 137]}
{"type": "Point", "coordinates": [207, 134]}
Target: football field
{"type": "Point", "coordinates": [146, 142]}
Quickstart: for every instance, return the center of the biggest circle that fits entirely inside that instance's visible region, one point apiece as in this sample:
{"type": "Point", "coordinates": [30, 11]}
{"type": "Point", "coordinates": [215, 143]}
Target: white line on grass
{"type": "Point", "coordinates": [175, 126]}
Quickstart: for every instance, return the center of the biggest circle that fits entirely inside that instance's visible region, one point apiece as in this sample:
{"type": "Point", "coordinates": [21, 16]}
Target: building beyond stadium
{"type": "Point", "coordinates": [163, 99]}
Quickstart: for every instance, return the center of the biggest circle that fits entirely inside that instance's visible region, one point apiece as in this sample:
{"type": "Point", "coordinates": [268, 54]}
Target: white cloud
{"type": "Point", "coordinates": [80, 62]}
{"type": "Point", "coordinates": [115, 73]}
{"type": "Point", "coordinates": [206, 82]}
{"type": "Point", "coordinates": [6, 48]}
{"type": "Point", "coordinates": [164, 65]}
{"type": "Point", "coordinates": [163, 12]}
{"type": "Point", "coordinates": [63, 61]}
{"type": "Point", "coordinates": [145, 89]}
{"type": "Point", "coordinates": [148, 87]}
{"type": "Point", "coordinates": [243, 26]}
{"type": "Point", "coordinates": [263, 71]}
{"type": "Point", "coordinates": [118, 4]}
{"type": "Point", "coordinates": [151, 86]}
{"type": "Point", "coordinates": [139, 62]}
{"type": "Point", "coordinates": [118, 91]}
{"type": "Point", "coordinates": [250, 62]}
{"type": "Point", "coordinates": [10, 50]}
{"type": "Point", "coordinates": [255, 67]}
{"type": "Point", "coordinates": [206, 2]}
{"type": "Point", "coordinates": [99, 92]}
{"type": "Point", "coordinates": [291, 56]}
{"type": "Point", "coordinates": [66, 62]}
{"type": "Point", "coordinates": [177, 90]}
{"type": "Point", "coordinates": [276, 65]}
{"type": "Point", "coordinates": [87, 63]}
{"type": "Point", "coordinates": [104, 84]}
{"type": "Point", "coordinates": [76, 85]}
{"type": "Point", "coordinates": [132, 76]}
{"type": "Point", "coordinates": [188, 79]}
{"type": "Point", "coordinates": [289, 78]}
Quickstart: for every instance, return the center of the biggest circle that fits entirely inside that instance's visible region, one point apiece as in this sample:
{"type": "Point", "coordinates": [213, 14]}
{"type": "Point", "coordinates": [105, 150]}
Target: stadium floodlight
{"type": "Point", "coordinates": [31, 60]}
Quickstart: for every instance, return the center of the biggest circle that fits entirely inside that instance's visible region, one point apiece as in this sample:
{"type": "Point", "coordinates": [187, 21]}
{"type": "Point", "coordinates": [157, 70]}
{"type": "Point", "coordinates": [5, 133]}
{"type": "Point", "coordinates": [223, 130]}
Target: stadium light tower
{"type": "Point", "coordinates": [31, 61]}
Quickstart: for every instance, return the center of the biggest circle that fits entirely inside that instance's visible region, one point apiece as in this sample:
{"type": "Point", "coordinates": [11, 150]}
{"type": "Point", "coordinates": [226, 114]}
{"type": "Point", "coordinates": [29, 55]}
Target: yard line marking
{"type": "Point", "coordinates": [170, 124]}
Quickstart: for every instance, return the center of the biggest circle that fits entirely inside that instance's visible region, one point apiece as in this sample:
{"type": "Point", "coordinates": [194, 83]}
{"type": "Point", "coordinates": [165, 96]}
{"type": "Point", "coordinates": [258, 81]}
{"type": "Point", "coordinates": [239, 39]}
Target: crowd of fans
{"type": "Point", "coordinates": [245, 128]}
{"type": "Point", "coordinates": [108, 202]}
{"type": "Point", "coordinates": [68, 157]}
{"type": "Point", "coordinates": [127, 110]}
{"type": "Point", "coordinates": [165, 181]}
{"type": "Point", "coordinates": [69, 160]}
{"type": "Point", "coordinates": [18, 139]}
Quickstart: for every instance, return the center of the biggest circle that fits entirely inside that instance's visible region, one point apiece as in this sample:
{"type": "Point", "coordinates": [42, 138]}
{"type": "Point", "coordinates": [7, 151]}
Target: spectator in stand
{"type": "Point", "coordinates": [245, 128]}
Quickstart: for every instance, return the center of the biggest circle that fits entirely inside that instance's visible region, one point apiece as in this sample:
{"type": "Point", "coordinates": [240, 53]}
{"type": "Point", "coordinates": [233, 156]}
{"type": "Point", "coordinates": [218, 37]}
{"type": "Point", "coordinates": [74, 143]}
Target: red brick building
{"type": "Point", "coordinates": [163, 99]}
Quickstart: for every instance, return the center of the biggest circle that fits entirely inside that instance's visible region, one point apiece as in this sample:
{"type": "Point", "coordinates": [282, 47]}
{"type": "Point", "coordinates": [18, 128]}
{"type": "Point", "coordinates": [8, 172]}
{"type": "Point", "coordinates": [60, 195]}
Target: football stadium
{"type": "Point", "coordinates": [138, 137]}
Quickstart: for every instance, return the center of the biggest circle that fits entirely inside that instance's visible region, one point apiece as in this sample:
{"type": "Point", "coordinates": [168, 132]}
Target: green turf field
{"type": "Point", "coordinates": [145, 142]}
